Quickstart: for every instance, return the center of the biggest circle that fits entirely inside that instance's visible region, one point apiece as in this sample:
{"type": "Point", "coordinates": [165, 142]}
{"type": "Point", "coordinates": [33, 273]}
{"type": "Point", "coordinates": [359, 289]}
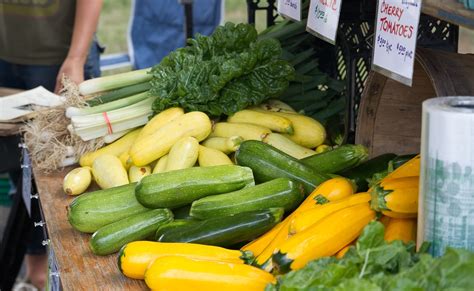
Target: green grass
{"type": "Point", "coordinates": [113, 24]}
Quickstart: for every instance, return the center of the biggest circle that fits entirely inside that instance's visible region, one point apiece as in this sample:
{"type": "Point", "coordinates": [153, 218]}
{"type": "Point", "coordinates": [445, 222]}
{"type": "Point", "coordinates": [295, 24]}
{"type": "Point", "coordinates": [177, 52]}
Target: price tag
{"type": "Point", "coordinates": [290, 9]}
{"type": "Point", "coordinates": [395, 38]}
{"type": "Point", "coordinates": [323, 19]}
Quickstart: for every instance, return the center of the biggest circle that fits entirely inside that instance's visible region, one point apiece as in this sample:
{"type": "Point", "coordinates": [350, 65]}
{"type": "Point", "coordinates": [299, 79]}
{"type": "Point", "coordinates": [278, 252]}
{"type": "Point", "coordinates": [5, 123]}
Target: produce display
{"type": "Point", "coordinates": [281, 211]}
{"type": "Point", "coordinates": [222, 170]}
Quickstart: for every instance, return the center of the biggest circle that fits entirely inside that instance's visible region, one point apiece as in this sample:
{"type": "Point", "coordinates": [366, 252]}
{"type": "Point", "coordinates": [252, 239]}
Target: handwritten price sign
{"type": "Point", "coordinates": [290, 9]}
{"type": "Point", "coordinates": [323, 19]}
{"type": "Point", "coordinates": [395, 38]}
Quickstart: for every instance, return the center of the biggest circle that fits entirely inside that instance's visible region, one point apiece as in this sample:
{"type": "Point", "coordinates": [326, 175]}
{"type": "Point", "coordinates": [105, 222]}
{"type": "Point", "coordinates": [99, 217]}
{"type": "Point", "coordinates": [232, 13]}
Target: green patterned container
{"type": "Point", "coordinates": [447, 174]}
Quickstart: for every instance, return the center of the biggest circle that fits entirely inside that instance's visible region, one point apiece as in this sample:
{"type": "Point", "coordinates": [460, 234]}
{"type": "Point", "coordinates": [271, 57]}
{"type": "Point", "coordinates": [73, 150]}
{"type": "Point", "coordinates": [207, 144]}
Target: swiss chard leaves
{"type": "Point", "coordinates": [222, 73]}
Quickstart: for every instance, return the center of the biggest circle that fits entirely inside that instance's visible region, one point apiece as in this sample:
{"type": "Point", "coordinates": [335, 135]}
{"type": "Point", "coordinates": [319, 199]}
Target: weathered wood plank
{"type": "Point", "coordinates": [79, 268]}
{"type": "Point", "coordinates": [449, 10]}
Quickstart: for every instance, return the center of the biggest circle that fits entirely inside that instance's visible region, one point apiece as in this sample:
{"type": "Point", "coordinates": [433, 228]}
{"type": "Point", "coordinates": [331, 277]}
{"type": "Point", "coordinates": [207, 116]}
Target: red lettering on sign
{"type": "Point", "coordinates": [395, 28]}
{"type": "Point", "coordinates": [332, 4]}
{"type": "Point", "coordinates": [392, 10]}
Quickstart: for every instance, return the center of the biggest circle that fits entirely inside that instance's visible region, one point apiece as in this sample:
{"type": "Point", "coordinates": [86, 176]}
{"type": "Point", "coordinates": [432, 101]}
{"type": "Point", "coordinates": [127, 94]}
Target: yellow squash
{"type": "Point", "coordinates": [392, 214]}
{"type": "Point", "coordinates": [135, 174]}
{"type": "Point", "coordinates": [398, 195]}
{"type": "Point", "coordinates": [333, 189]}
{"type": "Point", "coordinates": [161, 119]}
{"type": "Point", "coordinates": [264, 260]}
{"type": "Point", "coordinates": [77, 181]}
{"type": "Point", "coordinates": [276, 105]}
{"type": "Point", "coordinates": [322, 148]}
{"type": "Point", "coordinates": [341, 253]}
{"type": "Point", "coordinates": [308, 132]}
{"type": "Point", "coordinates": [182, 273]}
{"type": "Point", "coordinates": [136, 256]}
{"type": "Point", "coordinates": [226, 145]}
{"type": "Point", "coordinates": [209, 157]}
{"type": "Point", "coordinates": [154, 146]}
{"type": "Point", "coordinates": [183, 154]}
{"type": "Point", "coordinates": [160, 166]}
{"type": "Point", "coordinates": [408, 169]}
{"type": "Point", "coordinates": [324, 238]}
{"type": "Point", "coordinates": [401, 229]}
{"type": "Point", "coordinates": [245, 130]}
{"type": "Point", "coordinates": [109, 172]}
{"type": "Point", "coordinates": [265, 119]}
{"type": "Point", "coordinates": [384, 219]}
{"type": "Point", "coordinates": [125, 160]}
{"type": "Point", "coordinates": [287, 146]}
{"type": "Point", "coordinates": [116, 148]}
{"type": "Point", "coordinates": [259, 244]}
{"type": "Point", "coordinates": [305, 219]}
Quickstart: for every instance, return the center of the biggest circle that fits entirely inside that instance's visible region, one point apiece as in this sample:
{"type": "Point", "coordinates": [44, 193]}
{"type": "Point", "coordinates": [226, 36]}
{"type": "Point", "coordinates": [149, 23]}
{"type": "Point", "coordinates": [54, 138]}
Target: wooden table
{"type": "Point", "coordinates": [79, 269]}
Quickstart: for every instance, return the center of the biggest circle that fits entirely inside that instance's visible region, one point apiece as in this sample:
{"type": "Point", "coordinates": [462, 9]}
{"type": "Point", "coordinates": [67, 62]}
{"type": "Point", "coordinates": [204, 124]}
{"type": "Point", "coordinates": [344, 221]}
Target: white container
{"type": "Point", "coordinates": [446, 208]}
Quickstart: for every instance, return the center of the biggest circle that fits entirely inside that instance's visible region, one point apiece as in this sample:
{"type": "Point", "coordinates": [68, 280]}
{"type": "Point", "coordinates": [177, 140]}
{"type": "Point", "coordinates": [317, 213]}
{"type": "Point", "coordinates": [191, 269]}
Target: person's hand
{"type": "Point", "coordinates": [73, 68]}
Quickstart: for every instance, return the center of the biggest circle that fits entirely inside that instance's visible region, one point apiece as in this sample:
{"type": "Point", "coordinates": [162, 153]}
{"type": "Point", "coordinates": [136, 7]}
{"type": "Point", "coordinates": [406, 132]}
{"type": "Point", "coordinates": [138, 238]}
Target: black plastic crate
{"type": "Point", "coordinates": [269, 6]}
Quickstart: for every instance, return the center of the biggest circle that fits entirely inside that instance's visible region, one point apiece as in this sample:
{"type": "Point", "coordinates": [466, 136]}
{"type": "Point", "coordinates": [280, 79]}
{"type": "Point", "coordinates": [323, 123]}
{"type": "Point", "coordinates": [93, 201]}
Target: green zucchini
{"type": "Point", "coordinates": [110, 238]}
{"type": "Point", "coordinates": [89, 212]}
{"type": "Point", "coordinates": [338, 159]}
{"type": "Point", "coordinates": [225, 231]}
{"type": "Point", "coordinates": [365, 171]}
{"type": "Point", "coordinates": [181, 187]}
{"type": "Point", "coordinates": [280, 192]}
{"type": "Point", "coordinates": [182, 212]}
{"type": "Point", "coordinates": [173, 224]}
{"type": "Point", "coordinates": [268, 163]}
{"type": "Point", "coordinates": [120, 93]}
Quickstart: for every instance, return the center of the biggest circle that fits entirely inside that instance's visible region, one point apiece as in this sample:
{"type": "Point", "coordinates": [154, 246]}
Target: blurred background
{"type": "Point", "coordinates": [115, 15]}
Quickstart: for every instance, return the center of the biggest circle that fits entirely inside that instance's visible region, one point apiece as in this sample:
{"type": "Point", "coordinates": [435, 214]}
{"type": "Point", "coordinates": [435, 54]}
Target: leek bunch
{"type": "Point", "coordinates": [122, 103]}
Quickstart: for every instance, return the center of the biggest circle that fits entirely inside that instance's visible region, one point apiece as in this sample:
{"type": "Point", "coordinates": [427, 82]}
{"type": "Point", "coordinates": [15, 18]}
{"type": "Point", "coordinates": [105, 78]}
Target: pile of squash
{"type": "Point", "coordinates": [327, 223]}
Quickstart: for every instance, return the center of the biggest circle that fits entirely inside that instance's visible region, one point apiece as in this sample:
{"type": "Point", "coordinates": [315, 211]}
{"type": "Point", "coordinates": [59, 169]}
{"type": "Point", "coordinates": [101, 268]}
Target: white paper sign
{"type": "Point", "coordinates": [395, 38]}
{"type": "Point", "coordinates": [290, 9]}
{"type": "Point", "coordinates": [323, 19]}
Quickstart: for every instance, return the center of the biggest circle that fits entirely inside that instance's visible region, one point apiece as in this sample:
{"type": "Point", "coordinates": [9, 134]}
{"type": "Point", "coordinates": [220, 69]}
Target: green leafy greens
{"type": "Point", "coordinates": [221, 73]}
{"type": "Point", "coordinates": [373, 264]}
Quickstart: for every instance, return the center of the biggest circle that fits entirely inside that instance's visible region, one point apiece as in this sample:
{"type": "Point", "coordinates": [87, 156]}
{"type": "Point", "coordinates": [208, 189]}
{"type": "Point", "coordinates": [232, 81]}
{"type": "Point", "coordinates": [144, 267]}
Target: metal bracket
{"type": "Point", "coordinates": [40, 224]}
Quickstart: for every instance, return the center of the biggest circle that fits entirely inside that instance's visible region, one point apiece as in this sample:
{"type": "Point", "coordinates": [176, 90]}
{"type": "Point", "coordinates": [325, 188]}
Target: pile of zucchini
{"type": "Point", "coordinates": [218, 205]}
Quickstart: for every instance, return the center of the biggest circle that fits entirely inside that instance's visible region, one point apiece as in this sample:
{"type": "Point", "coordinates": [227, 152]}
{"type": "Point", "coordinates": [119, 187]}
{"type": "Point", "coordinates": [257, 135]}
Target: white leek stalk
{"type": "Point", "coordinates": [97, 85]}
{"type": "Point", "coordinates": [96, 125]}
{"type": "Point", "coordinates": [75, 111]}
